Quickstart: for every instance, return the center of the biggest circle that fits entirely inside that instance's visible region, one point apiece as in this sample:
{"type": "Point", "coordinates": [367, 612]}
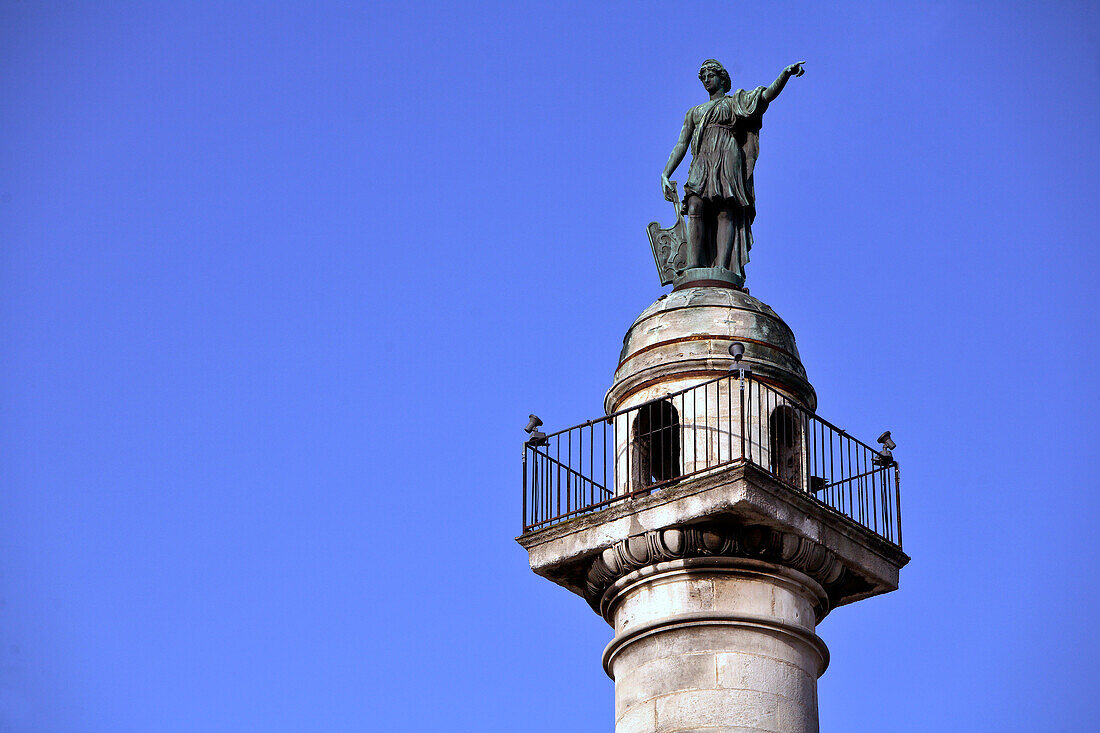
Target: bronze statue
{"type": "Point", "coordinates": [719, 201]}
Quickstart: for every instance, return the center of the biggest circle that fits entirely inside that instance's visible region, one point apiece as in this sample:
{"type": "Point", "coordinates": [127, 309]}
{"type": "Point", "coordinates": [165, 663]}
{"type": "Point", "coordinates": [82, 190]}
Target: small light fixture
{"type": "Point", "coordinates": [885, 456]}
{"type": "Point", "coordinates": [737, 351]}
{"type": "Point", "coordinates": [538, 437]}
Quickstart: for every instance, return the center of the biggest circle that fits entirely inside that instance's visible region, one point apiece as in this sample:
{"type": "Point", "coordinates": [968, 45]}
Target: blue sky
{"type": "Point", "coordinates": [280, 283]}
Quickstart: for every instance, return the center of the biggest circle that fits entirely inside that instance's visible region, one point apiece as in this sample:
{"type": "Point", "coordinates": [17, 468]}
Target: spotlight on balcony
{"type": "Point", "coordinates": [885, 457]}
{"type": "Point", "coordinates": [537, 436]}
{"type": "Point", "coordinates": [737, 351]}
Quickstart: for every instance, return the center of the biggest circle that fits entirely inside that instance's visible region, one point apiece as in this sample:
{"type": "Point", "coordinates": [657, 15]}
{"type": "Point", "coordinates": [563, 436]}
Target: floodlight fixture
{"type": "Point", "coordinates": [737, 351]}
{"type": "Point", "coordinates": [885, 457]}
{"type": "Point", "coordinates": [538, 438]}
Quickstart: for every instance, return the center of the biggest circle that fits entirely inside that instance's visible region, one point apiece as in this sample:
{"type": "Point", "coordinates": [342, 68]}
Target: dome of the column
{"type": "Point", "coordinates": [684, 338]}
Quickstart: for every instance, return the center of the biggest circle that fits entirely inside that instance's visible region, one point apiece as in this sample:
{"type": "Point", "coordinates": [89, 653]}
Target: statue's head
{"type": "Point", "coordinates": [710, 65]}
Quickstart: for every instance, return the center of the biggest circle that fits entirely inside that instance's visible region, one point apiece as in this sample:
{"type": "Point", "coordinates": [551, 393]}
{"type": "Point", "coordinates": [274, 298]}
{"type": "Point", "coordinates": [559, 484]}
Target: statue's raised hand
{"type": "Point", "coordinates": [669, 188]}
{"type": "Point", "coordinates": [795, 69]}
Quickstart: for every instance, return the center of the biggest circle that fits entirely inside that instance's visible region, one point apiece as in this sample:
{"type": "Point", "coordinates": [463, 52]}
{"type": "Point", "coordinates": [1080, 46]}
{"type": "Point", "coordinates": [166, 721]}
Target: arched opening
{"type": "Point", "coordinates": [785, 431]}
{"type": "Point", "coordinates": [655, 443]}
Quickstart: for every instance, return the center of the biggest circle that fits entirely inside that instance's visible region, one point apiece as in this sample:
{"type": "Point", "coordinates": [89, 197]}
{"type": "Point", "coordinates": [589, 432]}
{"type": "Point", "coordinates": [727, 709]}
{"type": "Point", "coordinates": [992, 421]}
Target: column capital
{"type": "Point", "coordinates": [711, 540]}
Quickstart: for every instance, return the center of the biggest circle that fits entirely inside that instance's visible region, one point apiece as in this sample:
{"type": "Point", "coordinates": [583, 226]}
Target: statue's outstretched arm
{"type": "Point", "coordinates": [781, 81]}
{"type": "Point", "coordinates": [677, 155]}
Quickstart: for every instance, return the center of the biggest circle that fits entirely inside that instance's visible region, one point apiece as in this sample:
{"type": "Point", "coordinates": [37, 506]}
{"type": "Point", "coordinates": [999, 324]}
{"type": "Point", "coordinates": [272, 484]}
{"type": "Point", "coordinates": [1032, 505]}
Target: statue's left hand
{"type": "Point", "coordinates": [795, 69]}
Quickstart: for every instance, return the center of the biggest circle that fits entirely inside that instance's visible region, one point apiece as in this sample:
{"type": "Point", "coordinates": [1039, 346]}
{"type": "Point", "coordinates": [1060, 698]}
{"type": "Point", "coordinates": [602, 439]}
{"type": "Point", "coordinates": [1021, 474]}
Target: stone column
{"type": "Point", "coordinates": [717, 644]}
{"type": "Point", "coordinates": [714, 588]}
{"type": "Point", "coordinates": [715, 578]}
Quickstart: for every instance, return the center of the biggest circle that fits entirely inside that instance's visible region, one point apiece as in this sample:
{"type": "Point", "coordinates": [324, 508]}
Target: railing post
{"type": "Point", "coordinates": [524, 487]}
{"type": "Point", "coordinates": [741, 417]}
{"type": "Point", "coordinates": [897, 498]}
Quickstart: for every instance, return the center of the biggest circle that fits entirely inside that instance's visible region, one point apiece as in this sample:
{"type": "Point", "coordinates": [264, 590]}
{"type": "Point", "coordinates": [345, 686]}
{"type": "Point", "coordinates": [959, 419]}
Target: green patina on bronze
{"type": "Point", "coordinates": [719, 201]}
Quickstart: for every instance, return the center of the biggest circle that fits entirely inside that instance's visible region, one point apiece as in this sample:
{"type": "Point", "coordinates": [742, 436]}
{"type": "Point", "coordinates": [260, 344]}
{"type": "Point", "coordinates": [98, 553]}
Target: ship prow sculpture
{"type": "Point", "coordinates": [669, 245]}
{"type": "Point", "coordinates": [711, 517]}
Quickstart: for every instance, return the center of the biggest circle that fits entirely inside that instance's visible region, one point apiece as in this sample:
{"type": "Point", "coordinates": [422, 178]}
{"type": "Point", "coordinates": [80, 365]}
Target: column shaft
{"type": "Point", "coordinates": [715, 644]}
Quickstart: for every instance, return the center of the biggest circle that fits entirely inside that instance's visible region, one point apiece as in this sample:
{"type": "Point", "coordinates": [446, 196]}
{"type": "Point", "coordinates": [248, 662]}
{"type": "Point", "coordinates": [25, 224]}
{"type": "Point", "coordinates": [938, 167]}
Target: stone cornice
{"type": "Point", "coordinates": [738, 497]}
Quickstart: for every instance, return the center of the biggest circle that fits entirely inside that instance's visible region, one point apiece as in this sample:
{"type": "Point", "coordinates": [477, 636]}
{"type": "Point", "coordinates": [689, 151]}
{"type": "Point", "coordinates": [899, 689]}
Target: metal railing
{"type": "Point", "coordinates": [733, 419]}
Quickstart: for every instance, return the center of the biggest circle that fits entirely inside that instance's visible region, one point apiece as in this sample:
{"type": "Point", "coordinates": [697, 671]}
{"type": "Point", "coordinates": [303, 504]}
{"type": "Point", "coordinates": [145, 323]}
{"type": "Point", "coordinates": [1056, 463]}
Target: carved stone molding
{"type": "Point", "coordinates": [711, 540]}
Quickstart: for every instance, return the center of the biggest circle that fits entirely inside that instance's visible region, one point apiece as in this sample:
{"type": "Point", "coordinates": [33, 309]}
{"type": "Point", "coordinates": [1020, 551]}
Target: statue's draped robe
{"type": "Point", "coordinates": [724, 148]}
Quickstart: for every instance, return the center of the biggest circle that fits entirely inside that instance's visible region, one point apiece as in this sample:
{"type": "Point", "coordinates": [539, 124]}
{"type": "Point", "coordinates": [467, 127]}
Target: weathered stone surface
{"type": "Point", "coordinates": [794, 715]}
{"type": "Point", "coordinates": [758, 642]}
{"type": "Point", "coordinates": [639, 653]}
{"type": "Point", "coordinates": [663, 598]}
{"type": "Point", "coordinates": [757, 711]}
{"type": "Point", "coordinates": [701, 541]}
{"type": "Point", "coordinates": [741, 671]}
{"type": "Point", "coordinates": [712, 584]}
{"type": "Point", "coordinates": [665, 675]}
{"type": "Point", "coordinates": [735, 646]}
{"type": "Point", "coordinates": [685, 336]}
{"type": "Point", "coordinates": [739, 496]}
{"type": "Point", "coordinates": [638, 719]}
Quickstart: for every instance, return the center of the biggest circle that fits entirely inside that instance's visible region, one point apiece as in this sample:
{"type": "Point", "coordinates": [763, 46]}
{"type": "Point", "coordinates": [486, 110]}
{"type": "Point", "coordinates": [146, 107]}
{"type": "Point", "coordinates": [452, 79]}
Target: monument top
{"type": "Point", "coordinates": [712, 245]}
